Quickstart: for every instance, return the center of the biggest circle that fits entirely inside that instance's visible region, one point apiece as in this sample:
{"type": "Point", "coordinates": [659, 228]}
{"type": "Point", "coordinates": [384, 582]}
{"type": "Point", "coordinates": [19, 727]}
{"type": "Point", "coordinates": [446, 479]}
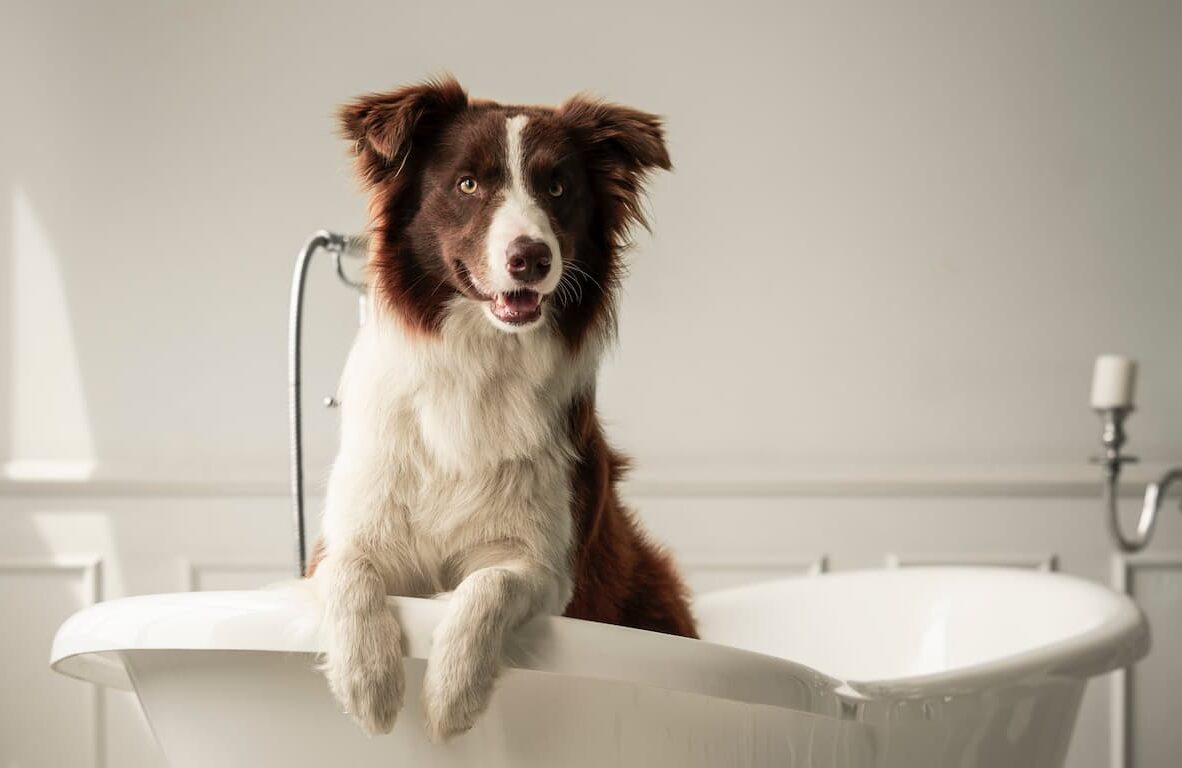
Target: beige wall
{"type": "Point", "coordinates": [896, 237]}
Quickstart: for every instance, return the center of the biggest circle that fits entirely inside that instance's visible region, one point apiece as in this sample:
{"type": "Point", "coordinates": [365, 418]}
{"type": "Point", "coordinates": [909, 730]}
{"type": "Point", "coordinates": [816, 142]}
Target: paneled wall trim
{"type": "Point", "coordinates": [1123, 701]}
{"type": "Point", "coordinates": [196, 576]}
{"type": "Point", "coordinates": [705, 573]}
{"type": "Point", "coordinates": [86, 570]}
{"type": "Point", "coordinates": [1072, 481]}
{"type": "Point", "coordinates": [1041, 562]}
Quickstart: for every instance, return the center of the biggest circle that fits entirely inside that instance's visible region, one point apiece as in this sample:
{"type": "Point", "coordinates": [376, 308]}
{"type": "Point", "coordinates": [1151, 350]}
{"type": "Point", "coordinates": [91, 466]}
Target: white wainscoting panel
{"type": "Point", "coordinates": [36, 595]}
{"type": "Point", "coordinates": [1145, 699]}
{"type": "Point", "coordinates": [704, 574]}
{"type": "Point", "coordinates": [1013, 560]}
{"type": "Point", "coordinates": [206, 577]}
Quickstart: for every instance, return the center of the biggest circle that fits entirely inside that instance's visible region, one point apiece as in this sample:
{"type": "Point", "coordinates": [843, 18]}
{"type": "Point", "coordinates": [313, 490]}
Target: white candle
{"type": "Point", "coordinates": [1113, 382]}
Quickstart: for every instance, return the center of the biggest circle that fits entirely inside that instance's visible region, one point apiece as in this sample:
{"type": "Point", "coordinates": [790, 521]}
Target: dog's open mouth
{"type": "Point", "coordinates": [517, 307]}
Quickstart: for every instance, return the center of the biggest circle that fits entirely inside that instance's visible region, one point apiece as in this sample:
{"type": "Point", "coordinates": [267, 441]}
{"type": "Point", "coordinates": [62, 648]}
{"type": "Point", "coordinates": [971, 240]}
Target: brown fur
{"type": "Point", "coordinates": [620, 576]}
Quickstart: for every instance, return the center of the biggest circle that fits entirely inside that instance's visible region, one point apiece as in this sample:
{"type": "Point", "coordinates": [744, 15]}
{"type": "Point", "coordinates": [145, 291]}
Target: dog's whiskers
{"type": "Point", "coordinates": [575, 268]}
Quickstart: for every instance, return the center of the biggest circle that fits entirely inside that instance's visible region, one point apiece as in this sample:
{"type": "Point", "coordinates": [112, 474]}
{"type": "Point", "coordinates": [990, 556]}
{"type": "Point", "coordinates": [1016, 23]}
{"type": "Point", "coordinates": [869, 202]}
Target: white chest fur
{"type": "Point", "coordinates": [454, 448]}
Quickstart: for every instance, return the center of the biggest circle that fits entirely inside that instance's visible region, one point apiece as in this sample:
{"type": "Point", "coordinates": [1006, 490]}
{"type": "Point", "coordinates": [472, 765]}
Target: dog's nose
{"type": "Point", "coordinates": [527, 259]}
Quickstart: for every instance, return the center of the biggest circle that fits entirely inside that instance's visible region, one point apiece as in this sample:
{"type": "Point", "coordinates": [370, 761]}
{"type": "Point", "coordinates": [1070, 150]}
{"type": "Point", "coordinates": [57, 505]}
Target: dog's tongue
{"type": "Point", "coordinates": [517, 305]}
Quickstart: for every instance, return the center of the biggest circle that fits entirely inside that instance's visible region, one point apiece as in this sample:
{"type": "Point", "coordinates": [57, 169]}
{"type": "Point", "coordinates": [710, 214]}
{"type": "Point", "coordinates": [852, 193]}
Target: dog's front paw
{"type": "Point", "coordinates": [458, 683]}
{"type": "Point", "coordinates": [366, 675]}
{"type": "Point", "coordinates": [451, 702]}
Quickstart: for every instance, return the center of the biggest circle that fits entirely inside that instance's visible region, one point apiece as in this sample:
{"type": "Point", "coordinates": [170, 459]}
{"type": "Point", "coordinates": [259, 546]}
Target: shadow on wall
{"type": "Point", "coordinates": [7, 299]}
{"type": "Point", "coordinates": [49, 424]}
{"type": "Point", "coordinates": [45, 426]}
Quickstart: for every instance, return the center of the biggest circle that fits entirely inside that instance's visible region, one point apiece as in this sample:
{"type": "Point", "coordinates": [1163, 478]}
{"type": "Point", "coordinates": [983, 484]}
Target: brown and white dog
{"type": "Point", "coordinates": [471, 459]}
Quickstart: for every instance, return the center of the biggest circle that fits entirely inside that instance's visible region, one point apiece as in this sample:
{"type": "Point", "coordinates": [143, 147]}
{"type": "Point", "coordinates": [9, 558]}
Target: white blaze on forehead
{"type": "Point", "coordinates": [519, 214]}
{"type": "Point", "coordinates": [515, 156]}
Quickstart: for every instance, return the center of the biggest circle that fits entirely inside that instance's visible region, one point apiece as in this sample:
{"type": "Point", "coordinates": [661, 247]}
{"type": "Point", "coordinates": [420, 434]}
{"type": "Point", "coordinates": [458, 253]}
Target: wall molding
{"type": "Point", "coordinates": [1068, 480]}
{"type": "Point", "coordinates": [191, 571]}
{"type": "Point", "coordinates": [806, 566]}
{"type": "Point", "coordinates": [1038, 562]}
{"type": "Point", "coordinates": [1124, 568]}
{"type": "Point", "coordinates": [89, 565]}
{"type": "Point", "coordinates": [90, 569]}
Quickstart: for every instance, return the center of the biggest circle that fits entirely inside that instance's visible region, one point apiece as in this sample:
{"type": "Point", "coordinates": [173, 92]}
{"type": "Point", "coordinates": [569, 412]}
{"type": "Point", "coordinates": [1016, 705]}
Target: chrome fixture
{"type": "Point", "coordinates": [338, 246]}
{"type": "Point", "coordinates": [1112, 400]}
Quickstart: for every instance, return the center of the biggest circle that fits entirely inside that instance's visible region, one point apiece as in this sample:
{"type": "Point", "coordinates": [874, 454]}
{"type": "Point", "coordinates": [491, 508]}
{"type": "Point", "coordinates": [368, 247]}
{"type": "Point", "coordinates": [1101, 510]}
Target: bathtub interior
{"type": "Point", "coordinates": [913, 622]}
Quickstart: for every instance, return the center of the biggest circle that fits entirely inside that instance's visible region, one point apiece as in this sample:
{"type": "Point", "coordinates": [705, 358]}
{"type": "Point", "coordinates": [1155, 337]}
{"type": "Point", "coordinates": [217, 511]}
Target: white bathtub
{"type": "Point", "coordinates": [934, 666]}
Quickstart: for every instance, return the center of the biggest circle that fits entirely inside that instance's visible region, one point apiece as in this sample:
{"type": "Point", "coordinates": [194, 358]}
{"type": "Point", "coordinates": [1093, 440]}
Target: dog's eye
{"type": "Point", "coordinates": [467, 185]}
{"type": "Point", "coordinates": [556, 188]}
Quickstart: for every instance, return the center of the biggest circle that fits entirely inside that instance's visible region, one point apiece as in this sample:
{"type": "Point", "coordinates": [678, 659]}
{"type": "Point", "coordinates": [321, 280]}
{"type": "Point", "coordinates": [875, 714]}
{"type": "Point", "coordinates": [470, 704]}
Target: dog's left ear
{"type": "Point", "coordinates": [621, 146]}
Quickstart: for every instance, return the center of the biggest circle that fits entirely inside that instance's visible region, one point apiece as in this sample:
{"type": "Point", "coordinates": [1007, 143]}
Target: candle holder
{"type": "Point", "coordinates": [1113, 439]}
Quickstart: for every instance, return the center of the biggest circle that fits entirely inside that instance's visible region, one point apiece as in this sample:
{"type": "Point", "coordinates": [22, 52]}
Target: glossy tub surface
{"type": "Point", "coordinates": [876, 668]}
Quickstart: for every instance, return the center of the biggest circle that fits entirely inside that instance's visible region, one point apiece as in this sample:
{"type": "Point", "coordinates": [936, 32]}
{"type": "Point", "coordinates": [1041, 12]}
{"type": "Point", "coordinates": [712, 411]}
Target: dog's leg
{"type": "Point", "coordinates": [364, 656]}
{"type": "Point", "coordinates": [467, 644]}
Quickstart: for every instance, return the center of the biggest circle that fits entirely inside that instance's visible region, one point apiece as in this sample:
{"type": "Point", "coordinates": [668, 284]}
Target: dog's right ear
{"type": "Point", "coordinates": [382, 126]}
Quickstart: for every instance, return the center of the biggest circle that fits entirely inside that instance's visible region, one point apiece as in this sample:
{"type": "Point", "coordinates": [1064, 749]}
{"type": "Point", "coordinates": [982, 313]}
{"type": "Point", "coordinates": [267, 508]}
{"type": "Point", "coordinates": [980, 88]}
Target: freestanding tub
{"type": "Point", "coordinates": [912, 667]}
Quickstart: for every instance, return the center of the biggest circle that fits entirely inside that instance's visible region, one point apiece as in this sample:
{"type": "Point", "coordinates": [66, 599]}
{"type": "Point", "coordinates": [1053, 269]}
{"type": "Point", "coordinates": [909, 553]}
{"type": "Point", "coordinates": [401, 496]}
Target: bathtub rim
{"type": "Point", "coordinates": [1119, 641]}
{"type": "Point", "coordinates": [89, 646]}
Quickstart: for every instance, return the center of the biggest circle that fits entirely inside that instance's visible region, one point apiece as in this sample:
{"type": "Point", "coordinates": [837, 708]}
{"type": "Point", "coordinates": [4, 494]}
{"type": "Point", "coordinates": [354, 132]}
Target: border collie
{"type": "Point", "coordinates": [472, 460]}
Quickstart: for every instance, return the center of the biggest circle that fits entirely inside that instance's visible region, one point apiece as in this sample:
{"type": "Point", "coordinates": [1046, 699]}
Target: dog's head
{"type": "Point", "coordinates": [523, 210]}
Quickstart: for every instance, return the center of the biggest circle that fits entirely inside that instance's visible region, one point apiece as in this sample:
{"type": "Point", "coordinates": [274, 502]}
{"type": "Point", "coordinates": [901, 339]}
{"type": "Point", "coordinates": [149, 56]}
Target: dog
{"type": "Point", "coordinates": [472, 461]}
